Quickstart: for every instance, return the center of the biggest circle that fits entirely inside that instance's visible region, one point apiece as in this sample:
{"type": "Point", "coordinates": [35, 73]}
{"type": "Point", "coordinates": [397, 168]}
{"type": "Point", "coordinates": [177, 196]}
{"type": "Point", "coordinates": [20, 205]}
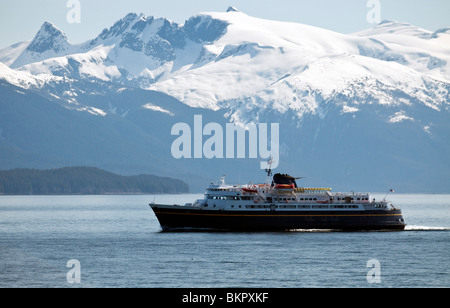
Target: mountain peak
{"type": "Point", "coordinates": [232, 9]}
{"type": "Point", "coordinates": [393, 27]}
{"type": "Point", "coordinates": [387, 21]}
{"type": "Point", "coordinates": [394, 24]}
{"type": "Point", "coordinates": [48, 42]}
{"type": "Point", "coordinates": [49, 37]}
{"type": "Point", "coordinates": [119, 27]}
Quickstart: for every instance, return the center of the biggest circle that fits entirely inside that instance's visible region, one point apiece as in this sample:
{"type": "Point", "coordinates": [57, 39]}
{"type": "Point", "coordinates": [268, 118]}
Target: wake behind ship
{"type": "Point", "coordinates": [281, 205]}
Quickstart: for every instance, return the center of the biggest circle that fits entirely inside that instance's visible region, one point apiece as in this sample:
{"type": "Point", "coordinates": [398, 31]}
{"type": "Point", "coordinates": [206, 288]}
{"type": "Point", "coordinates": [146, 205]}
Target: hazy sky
{"type": "Point", "coordinates": [21, 19]}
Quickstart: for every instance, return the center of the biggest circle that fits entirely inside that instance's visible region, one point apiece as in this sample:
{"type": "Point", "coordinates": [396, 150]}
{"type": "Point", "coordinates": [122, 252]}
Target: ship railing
{"type": "Point", "coordinates": [311, 189]}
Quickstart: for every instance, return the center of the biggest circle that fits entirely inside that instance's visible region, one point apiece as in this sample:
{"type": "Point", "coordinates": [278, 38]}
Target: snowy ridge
{"type": "Point", "coordinates": [248, 65]}
{"type": "Point", "coordinates": [137, 50]}
{"type": "Point", "coordinates": [285, 66]}
{"type": "Point", "coordinates": [25, 79]}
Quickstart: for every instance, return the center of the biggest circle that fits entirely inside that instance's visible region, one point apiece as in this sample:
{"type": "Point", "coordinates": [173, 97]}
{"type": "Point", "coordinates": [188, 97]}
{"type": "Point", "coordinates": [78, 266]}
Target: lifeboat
{"type": "Point", "coordinates": [249, 190]}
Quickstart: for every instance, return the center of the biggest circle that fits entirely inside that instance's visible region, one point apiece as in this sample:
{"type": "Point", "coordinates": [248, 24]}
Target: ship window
{"type": "Point", "coordinates": [231, 198]}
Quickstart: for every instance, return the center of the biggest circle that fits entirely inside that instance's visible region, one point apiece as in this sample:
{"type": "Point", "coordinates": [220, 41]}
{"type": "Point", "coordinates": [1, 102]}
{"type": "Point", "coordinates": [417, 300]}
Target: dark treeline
{"type": "Point", "coordinates": [83, 180]}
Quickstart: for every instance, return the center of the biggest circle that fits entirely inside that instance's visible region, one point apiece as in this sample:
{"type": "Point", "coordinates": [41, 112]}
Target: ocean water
{"type": "Point", "coordinates": [117, 242]}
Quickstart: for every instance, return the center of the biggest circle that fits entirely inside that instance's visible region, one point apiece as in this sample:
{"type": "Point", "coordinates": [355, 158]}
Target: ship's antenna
{"type": "Point", "coordinates": [389, 191]}
{"type": "Point", "coordinates": [222, 180]}
{"type": "Point", "coordinates": [269, 171]}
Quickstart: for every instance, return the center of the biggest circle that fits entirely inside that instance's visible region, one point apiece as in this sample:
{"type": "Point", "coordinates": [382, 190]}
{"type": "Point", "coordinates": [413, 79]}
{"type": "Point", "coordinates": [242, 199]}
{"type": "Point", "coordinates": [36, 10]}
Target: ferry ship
{"type": "Point", "coordinates": [278, 206]}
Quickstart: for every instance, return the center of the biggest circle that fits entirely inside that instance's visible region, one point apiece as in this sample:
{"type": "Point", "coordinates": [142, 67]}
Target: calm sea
{"type": "Point", "coordinates": [117, 242]}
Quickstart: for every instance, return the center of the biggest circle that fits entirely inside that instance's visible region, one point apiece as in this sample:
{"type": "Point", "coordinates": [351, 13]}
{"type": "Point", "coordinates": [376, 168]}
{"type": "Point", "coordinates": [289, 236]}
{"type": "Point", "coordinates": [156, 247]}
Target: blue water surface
{"type": "Point", "coordinates": [118, 243]}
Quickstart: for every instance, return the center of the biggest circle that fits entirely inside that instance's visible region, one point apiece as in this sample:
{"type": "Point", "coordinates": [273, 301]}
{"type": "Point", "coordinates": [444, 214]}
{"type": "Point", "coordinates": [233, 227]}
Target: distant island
{"type": "Point", "coordinates": [84, 181]}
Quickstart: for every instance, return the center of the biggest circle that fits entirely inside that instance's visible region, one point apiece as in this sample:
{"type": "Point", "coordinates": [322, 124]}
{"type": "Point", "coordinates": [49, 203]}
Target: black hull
{"type": "Point", "coordinates": [179, 218]}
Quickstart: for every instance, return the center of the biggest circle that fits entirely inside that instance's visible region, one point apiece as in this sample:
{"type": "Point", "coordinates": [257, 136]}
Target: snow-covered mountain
{"type": "Point", "coordinates": [136, 51]}
{"type": "Point", "coordinates": [327, 89]}
{"type": "Point", "coordinates": [217, 60]}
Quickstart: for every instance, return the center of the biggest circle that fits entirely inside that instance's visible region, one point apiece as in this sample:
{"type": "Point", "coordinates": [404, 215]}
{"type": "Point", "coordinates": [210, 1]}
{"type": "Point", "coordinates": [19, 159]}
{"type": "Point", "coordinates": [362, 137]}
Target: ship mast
{"type": "Point", "coordinates": [269, 171]}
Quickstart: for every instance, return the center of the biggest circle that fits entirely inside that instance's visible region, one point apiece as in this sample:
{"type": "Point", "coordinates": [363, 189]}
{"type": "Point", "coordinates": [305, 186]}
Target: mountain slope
{"type": "Point", "coordinates": [217, 60]}
{"type": "Point", "coordinates": [368, 109]}
{"type": "Point", "coordinates": [302, 62]}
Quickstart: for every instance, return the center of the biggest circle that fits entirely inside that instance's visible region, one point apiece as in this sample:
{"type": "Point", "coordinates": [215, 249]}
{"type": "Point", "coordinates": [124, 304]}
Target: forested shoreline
{"type": "Point", "coordinates": [84, 181]}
